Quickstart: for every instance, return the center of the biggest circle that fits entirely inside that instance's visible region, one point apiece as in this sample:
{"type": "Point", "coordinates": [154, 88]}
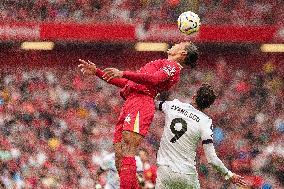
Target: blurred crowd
{"type": "Point", "coordinates": [240, 12]}
{"type": "Point", "coordinates": [55, 126]}
{"type": "Point", "coordinates": [53, 129]}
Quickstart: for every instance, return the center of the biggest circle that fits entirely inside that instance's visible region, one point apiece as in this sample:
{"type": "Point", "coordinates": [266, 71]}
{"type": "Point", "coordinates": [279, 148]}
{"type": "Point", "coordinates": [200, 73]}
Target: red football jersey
{"type": "Point", "coordinates": [153, 78]}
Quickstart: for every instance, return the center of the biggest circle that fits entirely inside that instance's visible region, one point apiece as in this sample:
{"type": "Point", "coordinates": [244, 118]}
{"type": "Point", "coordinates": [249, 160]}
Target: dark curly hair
{"type": "Point", "coordinates": [192, 55]}
{"type": "Point", "coordinates": [205, 96]}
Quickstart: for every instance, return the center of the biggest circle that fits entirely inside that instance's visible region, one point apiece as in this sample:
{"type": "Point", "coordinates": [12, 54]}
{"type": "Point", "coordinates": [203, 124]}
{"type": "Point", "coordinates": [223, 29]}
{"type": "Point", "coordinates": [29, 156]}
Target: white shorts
{"type": "Point", "coordinates": [167, 179]}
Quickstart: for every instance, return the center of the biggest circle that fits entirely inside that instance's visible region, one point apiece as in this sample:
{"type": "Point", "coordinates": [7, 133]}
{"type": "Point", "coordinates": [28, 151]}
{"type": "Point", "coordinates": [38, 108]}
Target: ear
{"type": "Point", "coordinates": [184, 52]}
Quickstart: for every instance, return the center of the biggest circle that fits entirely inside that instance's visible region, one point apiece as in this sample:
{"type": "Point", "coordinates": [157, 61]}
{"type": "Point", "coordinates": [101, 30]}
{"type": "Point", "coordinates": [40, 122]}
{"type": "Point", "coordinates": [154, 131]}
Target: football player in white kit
{"type": "Point", "coordinates": [185, 126]}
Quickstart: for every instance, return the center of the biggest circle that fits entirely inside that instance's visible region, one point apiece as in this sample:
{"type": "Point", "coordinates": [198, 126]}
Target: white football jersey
{"type": "Point", "coordinates": [184, 127]}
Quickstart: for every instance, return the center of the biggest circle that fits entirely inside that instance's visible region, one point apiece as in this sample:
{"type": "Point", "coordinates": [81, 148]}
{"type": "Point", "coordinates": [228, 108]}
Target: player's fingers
{"type": "Point", "coordinates": [109, 73]}
{"type": "Point", "coordinates": [105, 76]}
{"type": "Point", "coordinates": [85, 71]}
{"type": "Point", "coordinates": [81, 66]}
{"type": "Point", "coordinates": [83, 61]}
{"type": "Point", "coordinates": [91, 63]}
{"type": "Point", "coordinates": [110, 78]}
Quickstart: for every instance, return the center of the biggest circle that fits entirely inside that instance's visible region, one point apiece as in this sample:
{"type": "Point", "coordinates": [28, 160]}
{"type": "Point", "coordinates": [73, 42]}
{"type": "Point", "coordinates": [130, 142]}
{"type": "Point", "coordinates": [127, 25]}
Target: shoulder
{"type": "Point", "coordinates": [203, 115]}
{"type": "Point", "coordinates": [174, 102]}
{"type": "Point", "coordinates": [205, 118]}
{"type": "Point", "coordinates": [171, 63]}
{"type": "Point", "coordinates": [167, 105]}
{"type": "Point", "coordinates": [157, 62]}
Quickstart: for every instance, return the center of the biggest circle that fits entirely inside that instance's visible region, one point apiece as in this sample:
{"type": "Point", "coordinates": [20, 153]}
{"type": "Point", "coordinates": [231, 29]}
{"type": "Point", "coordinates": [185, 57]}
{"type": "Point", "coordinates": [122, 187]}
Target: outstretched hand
{"type": "Point", "coordinates": [87, 68]}
{"type": "Point", "coordinates": [238, 180]}
{"type": "Point", "coordinates": [111, 73]}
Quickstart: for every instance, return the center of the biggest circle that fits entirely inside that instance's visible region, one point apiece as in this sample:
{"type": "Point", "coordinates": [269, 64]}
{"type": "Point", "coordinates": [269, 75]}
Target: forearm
{"type": "Point", "coordinates": [119, 82]}
{"type": "Point", "coordinates": [145, 79]}
{"type": "Point", "coordinates": [213, 159]}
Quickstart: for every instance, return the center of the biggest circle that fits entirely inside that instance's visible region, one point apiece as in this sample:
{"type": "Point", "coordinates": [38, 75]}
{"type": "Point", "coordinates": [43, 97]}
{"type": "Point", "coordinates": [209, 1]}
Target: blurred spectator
{"type": "Point", "coordinates": [55, 125]}
{"type": "Point", "coordinates": [240, 12]}
{"type": "Point", "coordinates": [150, 171]}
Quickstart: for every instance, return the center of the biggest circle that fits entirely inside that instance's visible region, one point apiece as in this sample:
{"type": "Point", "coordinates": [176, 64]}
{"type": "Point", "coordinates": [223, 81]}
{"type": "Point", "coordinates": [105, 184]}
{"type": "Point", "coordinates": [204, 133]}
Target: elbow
{"type": "Point", "coordinates": [210, 162]}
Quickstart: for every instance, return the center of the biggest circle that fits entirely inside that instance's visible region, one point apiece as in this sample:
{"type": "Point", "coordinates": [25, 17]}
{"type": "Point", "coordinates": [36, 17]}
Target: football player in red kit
{"type": "Point", "coordinates": [139, 90]}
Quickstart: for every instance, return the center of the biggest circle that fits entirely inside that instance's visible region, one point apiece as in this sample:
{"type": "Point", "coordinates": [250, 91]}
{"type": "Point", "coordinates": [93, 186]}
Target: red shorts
{"type": "Point", "coordinates": [136, 116]}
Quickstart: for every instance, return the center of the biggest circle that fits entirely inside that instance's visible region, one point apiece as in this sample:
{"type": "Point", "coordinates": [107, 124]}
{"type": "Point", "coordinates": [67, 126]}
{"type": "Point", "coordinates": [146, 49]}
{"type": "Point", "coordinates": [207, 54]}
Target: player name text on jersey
{"type": "Point", "coordinates": [184, 112]}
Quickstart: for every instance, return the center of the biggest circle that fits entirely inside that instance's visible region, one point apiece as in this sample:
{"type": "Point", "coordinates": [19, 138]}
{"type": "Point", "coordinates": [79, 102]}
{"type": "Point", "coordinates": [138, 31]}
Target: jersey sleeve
{"type": "Point", "coordinates": [165, 72]}
{"type": "Point", "coordinates": [119, 82]}
{"type": "Point", "coordinates": [207, 132]}
{"type": "Point", "coordinates": [213, 159]}
{"type": "Point", "coordinates": [146, 79]}
{"type": "Point", "coordinates": [163, 105]}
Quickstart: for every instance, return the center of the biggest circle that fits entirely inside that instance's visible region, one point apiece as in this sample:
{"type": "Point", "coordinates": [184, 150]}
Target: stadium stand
{"type": "Point", "coordinates": [57, 123]}
{"type": "Point", "coordinates": [240, 12]}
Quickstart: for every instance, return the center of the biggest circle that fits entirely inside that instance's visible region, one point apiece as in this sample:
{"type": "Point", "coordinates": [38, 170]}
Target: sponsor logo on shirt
{"type": "Point", "coordinates": [170, 70]}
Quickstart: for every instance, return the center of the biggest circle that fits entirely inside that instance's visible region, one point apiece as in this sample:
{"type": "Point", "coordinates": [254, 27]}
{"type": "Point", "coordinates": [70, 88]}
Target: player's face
{"type": "Point", "coordinates": [177, 49]}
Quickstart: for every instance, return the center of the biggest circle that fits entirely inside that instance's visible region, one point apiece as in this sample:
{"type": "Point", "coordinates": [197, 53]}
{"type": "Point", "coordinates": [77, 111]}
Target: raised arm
{"type": "Point", "coordinates": [119, 82]}
{"type": "Point", "coordinates": [217, 164]}
{"type": "Point", "coordinates": [140, 78]}
{"type": "Point", "coordinates": [211, 156]}
{"type": "Point", "coordinates": [146, 79]}
{"type": "Point", "coordinates": [89, 68]}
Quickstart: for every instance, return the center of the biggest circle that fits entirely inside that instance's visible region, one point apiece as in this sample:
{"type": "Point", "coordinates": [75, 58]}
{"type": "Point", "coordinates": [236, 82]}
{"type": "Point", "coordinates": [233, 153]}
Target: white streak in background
{"type": "Point", "coordinates": [15, 153]}
{"type": "Point", "coordinates": [260, 118]}
{"type": "Point", "coordinates": [41, 158]}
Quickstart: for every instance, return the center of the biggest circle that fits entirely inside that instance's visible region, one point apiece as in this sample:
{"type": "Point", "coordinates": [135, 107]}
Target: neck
{"type": "Point", "coordinates": [180, 65]}
{"type": "Point", "coordinates": [173, 59]}
{"type": "Point", "coordinates": [196, 107]}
